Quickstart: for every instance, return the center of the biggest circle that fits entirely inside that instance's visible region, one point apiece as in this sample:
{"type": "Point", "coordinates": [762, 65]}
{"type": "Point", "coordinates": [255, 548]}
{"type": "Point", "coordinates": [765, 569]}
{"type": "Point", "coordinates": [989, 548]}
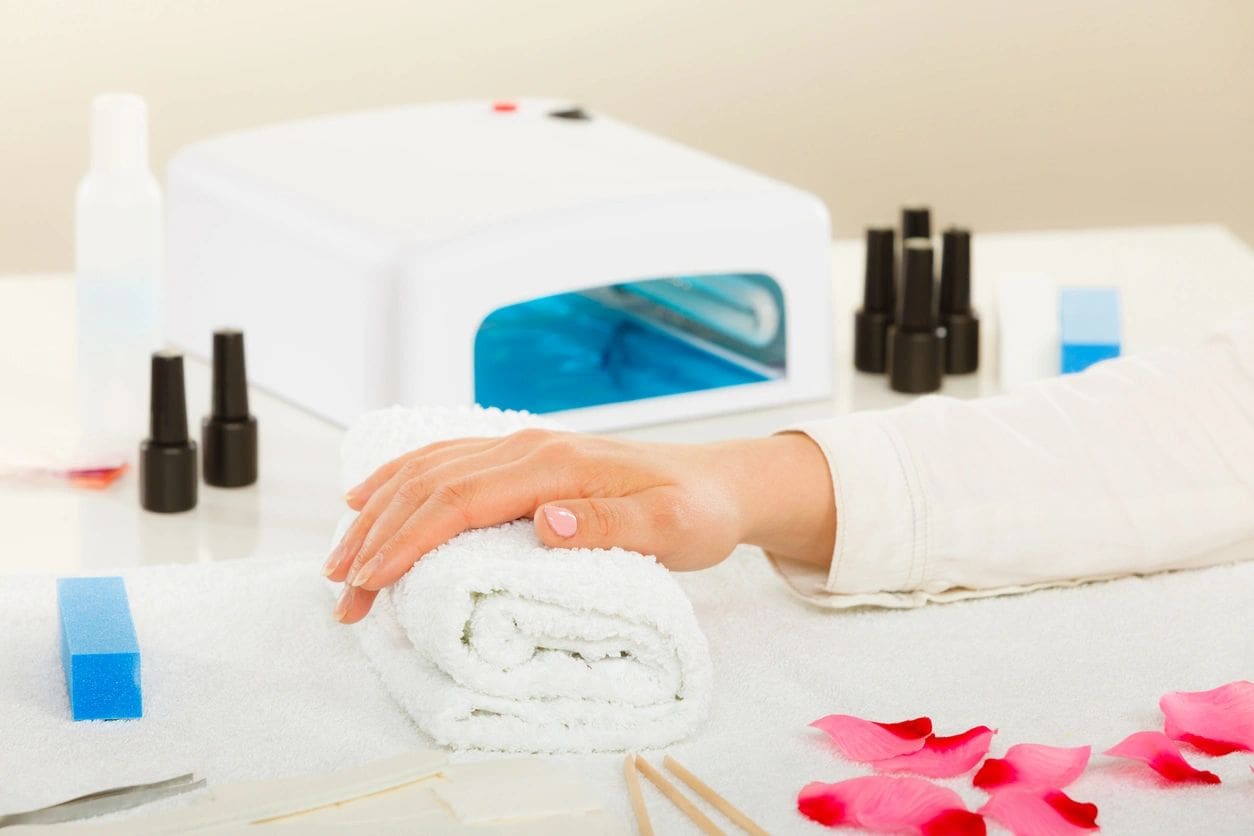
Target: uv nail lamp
{"type": "Point", "coordinates": [524, 255]}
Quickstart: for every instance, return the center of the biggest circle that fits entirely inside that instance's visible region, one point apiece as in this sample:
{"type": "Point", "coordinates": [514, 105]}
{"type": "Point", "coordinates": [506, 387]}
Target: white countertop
{"type": "Point", "coordinates": [1175, 281]}
{"type": "Point", "coordinates": [1066, 667]}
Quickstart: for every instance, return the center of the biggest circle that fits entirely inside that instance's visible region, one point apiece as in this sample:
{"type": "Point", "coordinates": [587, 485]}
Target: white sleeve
{"type": "Point", "coordinates": [1137, 465]}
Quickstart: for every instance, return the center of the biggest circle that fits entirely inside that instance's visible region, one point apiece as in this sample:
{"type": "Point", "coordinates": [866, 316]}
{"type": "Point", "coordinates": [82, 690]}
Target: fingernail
{"type": "Point", "coordinates": [363, 575]}
{"type": "Point", "coordinates": [563, 522]}
{"type": "Point", "coordinates": [341, 606]}
{"type": "Point", "coordinates": [337, 554]}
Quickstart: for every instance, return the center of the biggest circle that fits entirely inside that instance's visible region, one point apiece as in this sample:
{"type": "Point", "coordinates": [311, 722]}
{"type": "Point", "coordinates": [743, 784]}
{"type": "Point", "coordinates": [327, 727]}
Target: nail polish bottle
{"type": "Point", "coordinates": [957, 317]}
{"type": "Point", "coordinates": [228, 435]}
{"type": "Point", "coordinates": [915, 351]}
{"type": "Point", "coordinates": [879, 298]}
{"type": "Point", "coordinates": [167, 458]}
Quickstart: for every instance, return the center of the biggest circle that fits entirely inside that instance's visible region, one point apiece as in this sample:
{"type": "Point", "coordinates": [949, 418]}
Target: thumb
{"type": "Point", "coordinates": [635, 522]}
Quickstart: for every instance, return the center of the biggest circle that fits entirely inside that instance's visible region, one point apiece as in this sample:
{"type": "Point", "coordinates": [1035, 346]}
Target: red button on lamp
{"type": "Point", "coordinates": [504, 106]}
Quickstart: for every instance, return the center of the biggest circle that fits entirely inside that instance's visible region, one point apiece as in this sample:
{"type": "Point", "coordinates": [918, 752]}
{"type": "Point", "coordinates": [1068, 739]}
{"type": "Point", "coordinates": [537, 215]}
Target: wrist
{"type": "Point", "coordinates": [783, 494]}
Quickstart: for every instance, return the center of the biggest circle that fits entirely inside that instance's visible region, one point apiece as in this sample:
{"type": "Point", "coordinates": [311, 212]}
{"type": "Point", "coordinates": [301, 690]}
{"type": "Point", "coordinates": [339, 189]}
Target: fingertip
{"type": "Point", "coordinates": [357, 603]}
{"type": "Point", "coordinates": [380, 573]}
{"type": "Point", "coordinates": [343, 604]}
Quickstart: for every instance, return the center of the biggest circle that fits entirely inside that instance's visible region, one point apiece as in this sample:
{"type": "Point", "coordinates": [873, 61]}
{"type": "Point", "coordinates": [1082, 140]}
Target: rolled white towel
{"type": "Point", "coordinates": [493, 641]}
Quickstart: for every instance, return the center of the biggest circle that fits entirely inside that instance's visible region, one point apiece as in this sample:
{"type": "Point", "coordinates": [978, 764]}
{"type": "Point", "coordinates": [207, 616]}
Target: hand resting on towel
{"type": "Point", "coordinates": [688, 505]}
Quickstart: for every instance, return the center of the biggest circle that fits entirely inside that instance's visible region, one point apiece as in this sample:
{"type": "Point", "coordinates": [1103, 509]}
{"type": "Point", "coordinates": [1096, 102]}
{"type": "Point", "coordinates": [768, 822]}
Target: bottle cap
{"type": "Point", "coordinates": [916, 222]}
{"type": "Point", "coordinates": [961, 324]}
{"type": "Point", "coordinates": [915, 351]}
{"type": "Point", "coordinates": [119, 132]}
{"type": "Point", "coordinates": [879, 299]}
{"type": "Point", "coordinates": [167, 458]}
{"type": "Point", "coordinates": [229, 433]}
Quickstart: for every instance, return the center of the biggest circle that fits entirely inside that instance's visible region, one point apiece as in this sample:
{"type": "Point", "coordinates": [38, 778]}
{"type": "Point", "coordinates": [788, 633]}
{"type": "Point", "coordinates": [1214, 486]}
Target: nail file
{"type": "Point", "coordinates": [1089, 325]}
{"type": "Point", "coordinates": [99, 651]}
{"type": "Point", "coordinates": [497, 790]}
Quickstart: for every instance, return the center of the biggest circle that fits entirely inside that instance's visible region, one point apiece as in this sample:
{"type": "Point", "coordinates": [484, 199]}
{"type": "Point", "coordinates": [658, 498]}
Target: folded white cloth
{"type": "Point", "coordinates": [493, 641]}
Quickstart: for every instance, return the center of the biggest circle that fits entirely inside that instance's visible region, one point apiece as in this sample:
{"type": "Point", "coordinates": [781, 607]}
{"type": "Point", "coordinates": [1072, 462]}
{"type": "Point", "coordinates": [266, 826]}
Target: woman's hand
{"type": "Point", "coordinates": [689, 505]}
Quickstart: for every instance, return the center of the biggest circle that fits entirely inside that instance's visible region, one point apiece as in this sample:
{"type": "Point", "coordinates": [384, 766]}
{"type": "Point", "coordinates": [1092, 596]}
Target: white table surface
{"type": "Point", "coordinates": [1071, 666]}
{"type": "Point", "coordinates": [1176, 281]}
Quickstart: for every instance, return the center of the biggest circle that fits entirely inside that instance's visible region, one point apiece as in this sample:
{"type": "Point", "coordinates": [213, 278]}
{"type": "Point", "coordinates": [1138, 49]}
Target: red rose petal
{"type": "Point", "coordinates": [1079, 813]}
{"type": "Point", "coordinates": [889, 805]}
{"type": "Point", "coordinates": [1027, 812]}
{"type": "Point", "coordinates": [955, 823]}
{"type": "Point", "coordinates": [1217, 721]}
{"type": "Point", "coordinates": [943, 757]}
{"type": "Point", "coordinates": [1033, 765]}
{"type": "Point", "coordinates": [1163, 756]}
{"type": "Point", "coordinates": [865, 740]}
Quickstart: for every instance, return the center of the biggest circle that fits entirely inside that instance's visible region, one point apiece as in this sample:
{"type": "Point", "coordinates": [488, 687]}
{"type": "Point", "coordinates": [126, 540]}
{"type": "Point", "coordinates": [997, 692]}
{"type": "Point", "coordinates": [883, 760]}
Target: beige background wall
{"type": "Point", "coordinates": [1003, 114]}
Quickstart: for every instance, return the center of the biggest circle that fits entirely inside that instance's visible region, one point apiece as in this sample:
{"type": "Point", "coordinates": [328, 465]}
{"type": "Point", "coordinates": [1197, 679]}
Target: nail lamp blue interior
{"type": "Point", "coordinates": [631, 341]}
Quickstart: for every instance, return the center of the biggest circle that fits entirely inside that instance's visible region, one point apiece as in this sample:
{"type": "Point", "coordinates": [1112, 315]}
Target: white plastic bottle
{"type": "Point", "coordinates": [118, 262]}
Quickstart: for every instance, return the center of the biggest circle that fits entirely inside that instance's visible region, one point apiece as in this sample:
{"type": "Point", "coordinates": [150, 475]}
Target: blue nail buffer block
{"type": "Point", "coordinates": [1089, 326]}
{"type": "Point", "coordinates": [98, 649]}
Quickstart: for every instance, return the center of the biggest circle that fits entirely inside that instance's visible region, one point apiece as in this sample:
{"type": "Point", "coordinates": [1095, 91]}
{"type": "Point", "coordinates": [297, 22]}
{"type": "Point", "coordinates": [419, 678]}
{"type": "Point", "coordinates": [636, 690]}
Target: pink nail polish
{"type": "Point", "coordinates": [341, 606]}
{"type": "Point", "coordinates": [563, 522]}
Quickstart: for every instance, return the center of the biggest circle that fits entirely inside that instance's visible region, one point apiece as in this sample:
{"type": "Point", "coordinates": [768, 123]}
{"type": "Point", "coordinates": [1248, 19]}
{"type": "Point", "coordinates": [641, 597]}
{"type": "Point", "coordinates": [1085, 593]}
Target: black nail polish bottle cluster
{"type": "Point", "coordinates": [902, 329]}
{"type": "Point", "coordinates": [167, 458]}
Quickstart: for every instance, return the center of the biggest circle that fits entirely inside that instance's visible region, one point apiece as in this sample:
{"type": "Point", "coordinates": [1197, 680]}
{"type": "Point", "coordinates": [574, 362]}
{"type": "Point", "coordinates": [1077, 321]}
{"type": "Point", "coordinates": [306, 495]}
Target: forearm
{"type": "Point", "coordinates": [1139, 465]}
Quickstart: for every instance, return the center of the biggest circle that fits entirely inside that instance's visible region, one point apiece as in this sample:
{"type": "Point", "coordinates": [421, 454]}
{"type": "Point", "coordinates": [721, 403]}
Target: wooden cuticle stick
{"type": "Point", "coordinates": [677, 798]}
{"type": "Point", "coordinates": [717, 801]}
{"type": "Point", "coordinates": [637, 798]}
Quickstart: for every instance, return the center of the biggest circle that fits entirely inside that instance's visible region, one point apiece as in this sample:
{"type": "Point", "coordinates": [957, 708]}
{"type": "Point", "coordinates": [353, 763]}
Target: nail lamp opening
{"type": "Point", "coordinates": [452, 254]}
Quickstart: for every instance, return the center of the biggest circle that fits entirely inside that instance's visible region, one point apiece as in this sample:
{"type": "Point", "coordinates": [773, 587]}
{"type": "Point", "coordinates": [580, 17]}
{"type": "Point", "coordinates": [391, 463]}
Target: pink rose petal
{"type": "Point", "coordinates": [1217, 721]}
{"type": "Point", "coordinates": [865, 740]}
{"type": "Point", "coordinates": [1034, 813]}
{"type": "Point", "coordinates": [1163, 756]}
{"type": "Point", "coordinates": [890, 805]}
{"type": "Point", "coordinates": [943, 757]}
{"type": "Point", "coordinates": [1033, 765]}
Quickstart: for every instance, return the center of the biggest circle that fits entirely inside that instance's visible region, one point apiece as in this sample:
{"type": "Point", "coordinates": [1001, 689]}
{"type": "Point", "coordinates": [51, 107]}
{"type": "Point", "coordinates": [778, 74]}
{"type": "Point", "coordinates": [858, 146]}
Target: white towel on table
{"type": "Point", "coordinates": [493, 641]}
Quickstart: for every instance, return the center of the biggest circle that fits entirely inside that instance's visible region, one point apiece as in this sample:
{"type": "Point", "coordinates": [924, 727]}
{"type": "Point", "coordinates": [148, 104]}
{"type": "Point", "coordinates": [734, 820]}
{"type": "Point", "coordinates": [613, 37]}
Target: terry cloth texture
{"type": "Point", "coordinates": [493, 641]}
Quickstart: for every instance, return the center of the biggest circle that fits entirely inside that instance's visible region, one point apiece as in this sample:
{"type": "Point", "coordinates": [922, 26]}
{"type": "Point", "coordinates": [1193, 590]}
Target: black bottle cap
{"type": "Point", "coordinates": [229, 433]}
{"type": "Point", "coordinates": [879, 299]}
{"type": "Point", "coordinates": [916, 222]}
{"type": "Point", "coordinates": [918, 277]}
{"type": "Point", "coordinates": [167, 458]}
{"type": "Point", "coordinates": [961, 324]}
{"type": "Point", "coordinates": [915, 350]}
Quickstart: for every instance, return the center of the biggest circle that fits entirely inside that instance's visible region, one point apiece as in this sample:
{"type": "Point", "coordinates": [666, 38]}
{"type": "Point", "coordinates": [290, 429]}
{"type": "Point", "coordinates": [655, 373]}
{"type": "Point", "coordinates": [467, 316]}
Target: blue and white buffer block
{"type": "Point", "coordinates": [99, 650]}
{"type": "Point", "coordinates": [1089, 326]}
